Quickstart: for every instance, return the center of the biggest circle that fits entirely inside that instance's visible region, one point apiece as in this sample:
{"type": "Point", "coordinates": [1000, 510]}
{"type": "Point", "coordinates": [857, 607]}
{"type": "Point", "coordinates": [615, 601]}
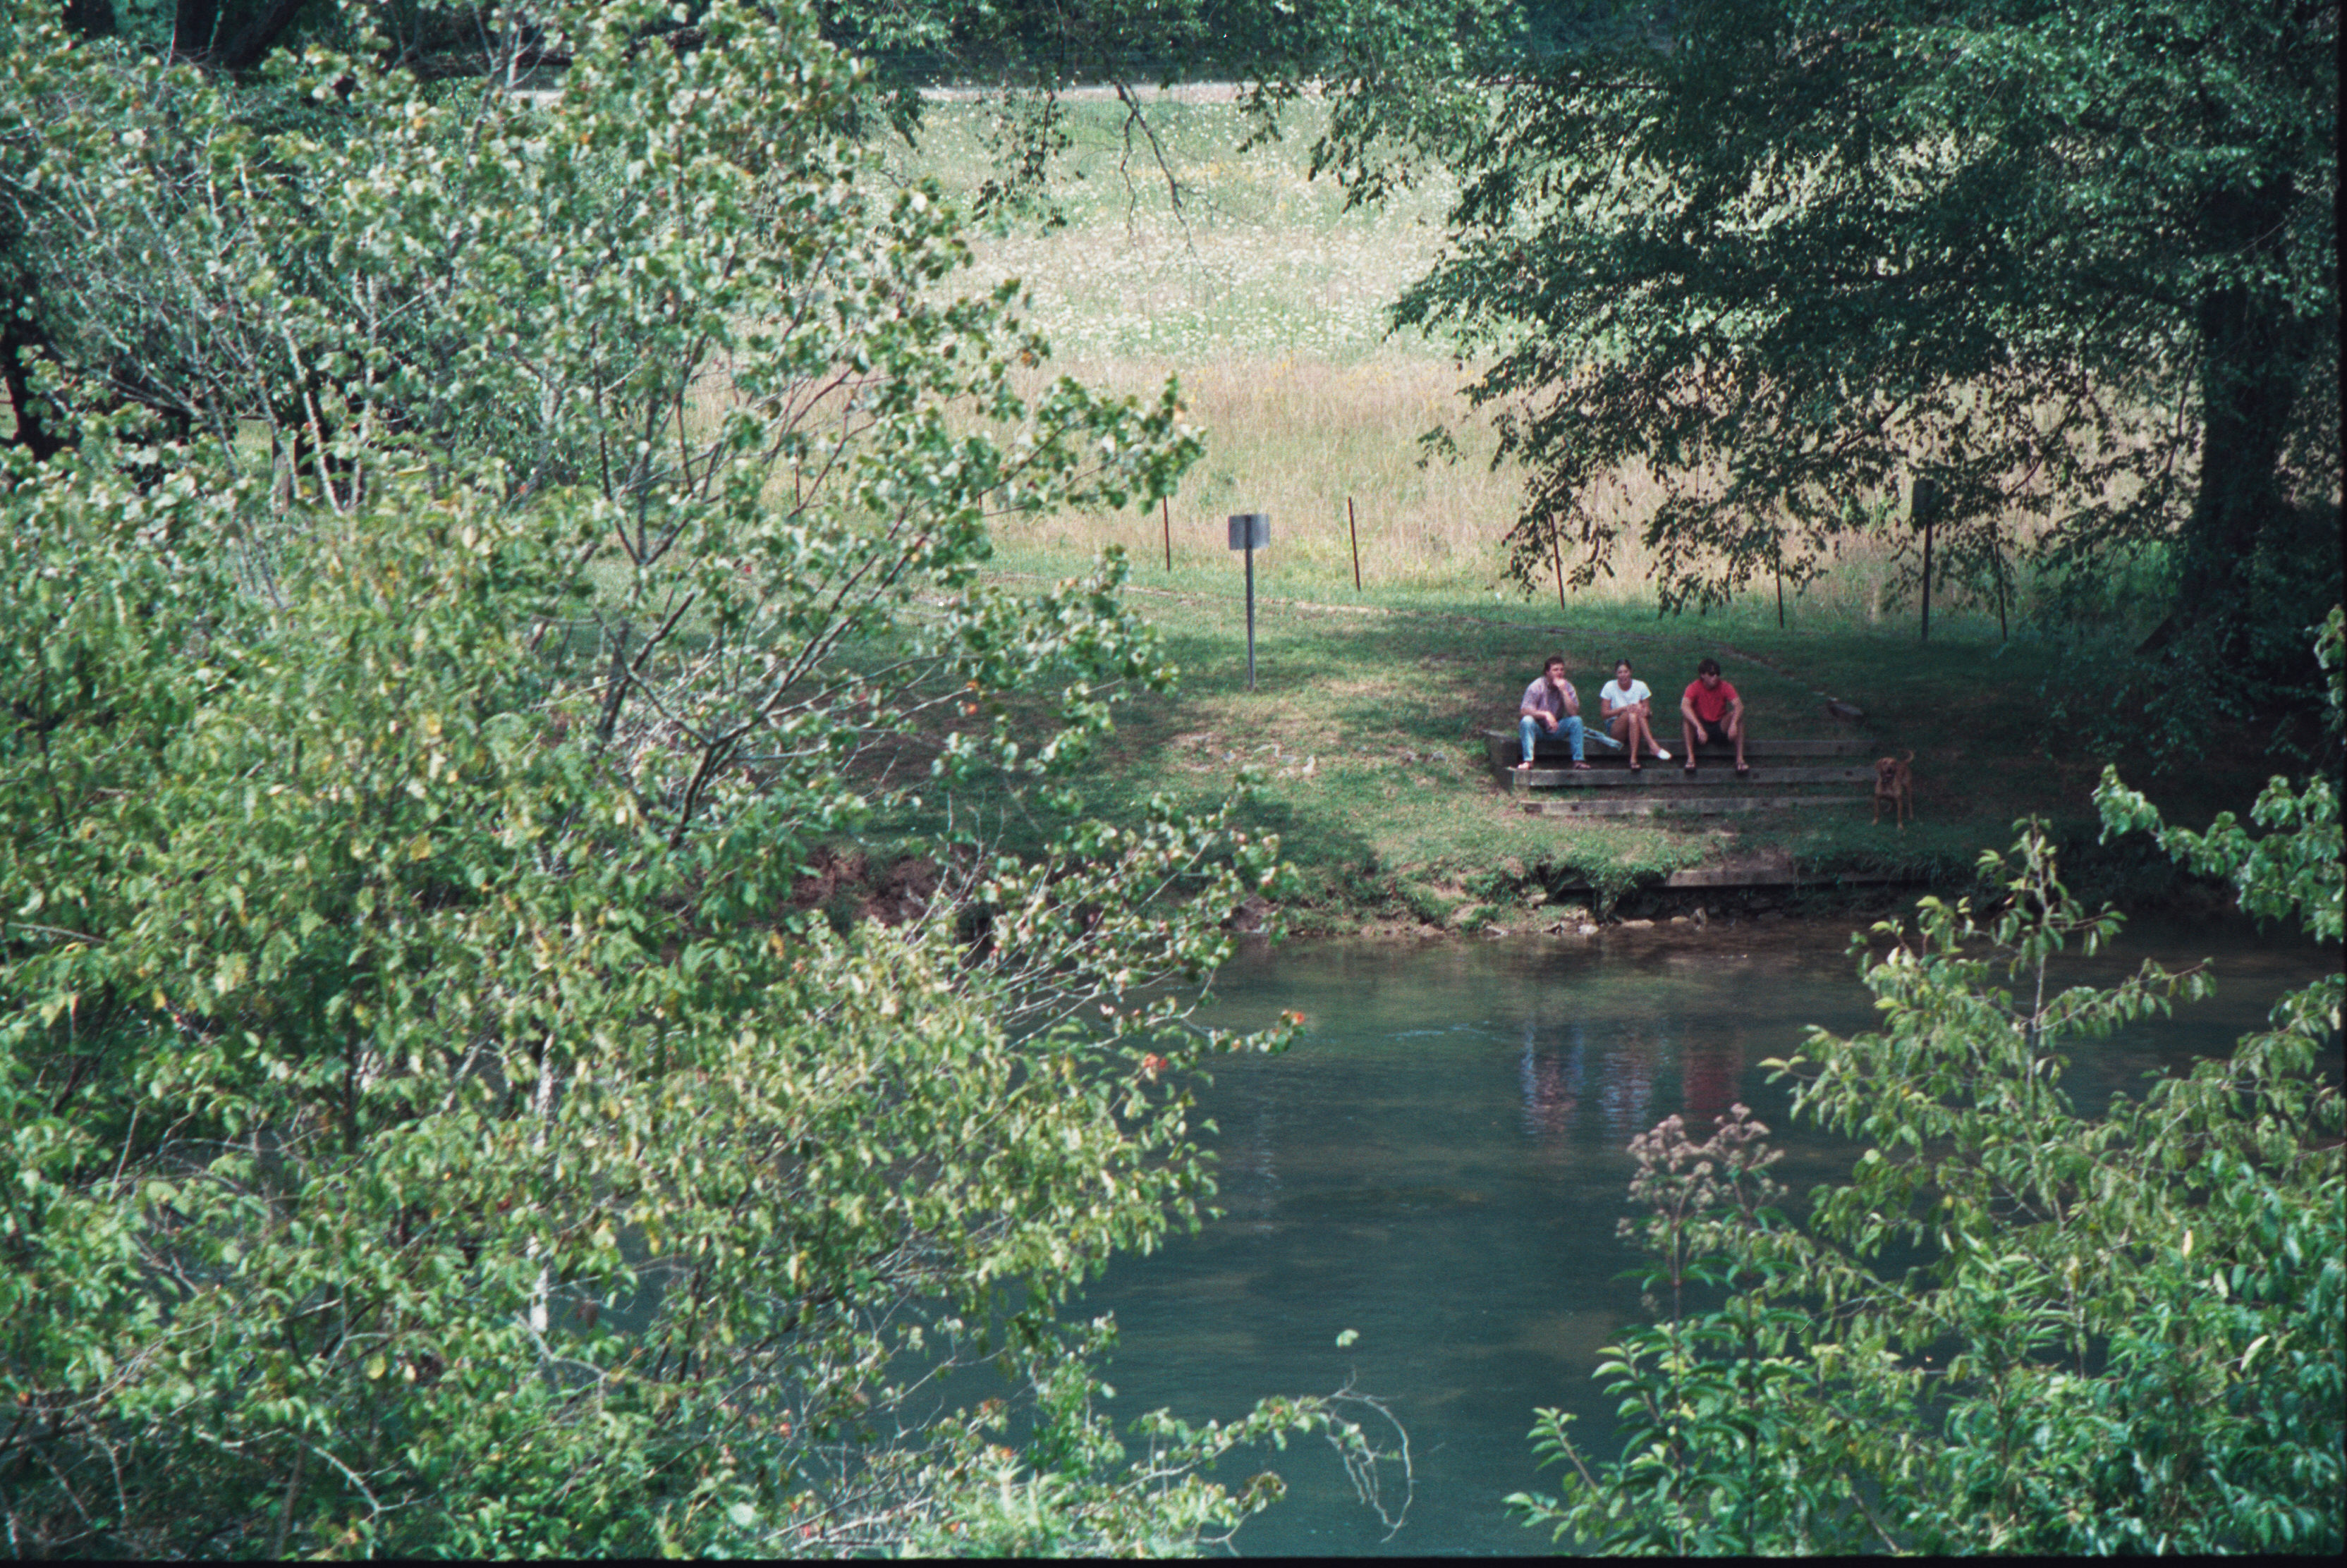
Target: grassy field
{"type": "Point", "coordinates": [1268, 301]}
{"type": "Point", "coordinates": [1265, 298]}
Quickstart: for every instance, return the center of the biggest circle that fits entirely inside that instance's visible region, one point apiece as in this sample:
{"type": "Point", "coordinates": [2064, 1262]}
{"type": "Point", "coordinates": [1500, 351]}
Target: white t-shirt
{"type": "Point", "coordinates": [1614, 693]}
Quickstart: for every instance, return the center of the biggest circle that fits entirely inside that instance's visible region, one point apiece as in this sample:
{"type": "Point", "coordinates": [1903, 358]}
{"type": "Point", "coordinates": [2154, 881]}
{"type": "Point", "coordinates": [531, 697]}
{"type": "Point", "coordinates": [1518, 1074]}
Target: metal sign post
{"type": "Point", "coordinates": [1923, 505]}
{"type": "Point", "coordinates": [1250, 531]}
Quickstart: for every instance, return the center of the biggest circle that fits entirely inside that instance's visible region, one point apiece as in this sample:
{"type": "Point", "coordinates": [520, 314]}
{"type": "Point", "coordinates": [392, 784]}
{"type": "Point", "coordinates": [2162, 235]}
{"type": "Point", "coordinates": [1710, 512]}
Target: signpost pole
{"type": "Point", "coordinates": [1250, 576]}
{"type": "Point", "coordinates": [1250, 531]}
{"type": "Point", "coordinates": [1926, 637]}
{"type": "Point", "coordinates": [2002, 634]}
{"type": "Point", "coordinates": [1923, 512]}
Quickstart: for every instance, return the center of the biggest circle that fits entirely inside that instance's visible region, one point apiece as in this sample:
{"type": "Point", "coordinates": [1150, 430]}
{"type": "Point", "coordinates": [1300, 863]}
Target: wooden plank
{"type": "Point", "coordinates": [1501, 750]}
{"type": "Point", "coordinates": [1498, 741]}
{"type": "Point", "coordinates": [1766, 877]}
{"type": "Point", "coordinates": [1789, 746]}
{"type": "Point", "coordinates": [1671, 776]}
{"type": "Point", "coordinates": [1683, 805]}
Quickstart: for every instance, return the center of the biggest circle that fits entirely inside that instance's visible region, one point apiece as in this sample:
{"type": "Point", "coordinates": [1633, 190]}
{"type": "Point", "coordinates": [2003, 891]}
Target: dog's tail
{"type": "Point", "coordinates": [1910, 757]}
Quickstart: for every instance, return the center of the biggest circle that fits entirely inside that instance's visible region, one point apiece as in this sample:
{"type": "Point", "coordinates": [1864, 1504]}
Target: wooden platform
{"type": "Point", "coordinates": [1605, 774]}
{"type": "Point", "coordinates": [1719, 805]}
{"type": "Point", "coordinates": [1792, 771]}
{"type": "Point", "coordinates": [1499, 745]}
{"type": "Point", "coordinates": [1777, 876]}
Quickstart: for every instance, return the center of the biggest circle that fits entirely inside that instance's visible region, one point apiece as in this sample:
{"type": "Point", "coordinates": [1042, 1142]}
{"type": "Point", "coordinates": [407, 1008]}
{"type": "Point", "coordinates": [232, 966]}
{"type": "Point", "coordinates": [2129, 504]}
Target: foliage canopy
{"type": "Point", "coordinates": [2075, 265]}
{"type": "Point", "coordinates": [500, 539]}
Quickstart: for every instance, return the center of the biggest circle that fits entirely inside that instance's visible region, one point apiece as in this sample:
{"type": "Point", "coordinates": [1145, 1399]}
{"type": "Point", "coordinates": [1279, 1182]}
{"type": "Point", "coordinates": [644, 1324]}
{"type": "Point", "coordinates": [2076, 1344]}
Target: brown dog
{"type": "Point", "coordinates": [1894, 780]}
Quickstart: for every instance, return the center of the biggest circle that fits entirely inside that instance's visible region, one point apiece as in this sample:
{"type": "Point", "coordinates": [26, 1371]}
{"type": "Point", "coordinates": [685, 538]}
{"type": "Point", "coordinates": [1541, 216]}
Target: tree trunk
{"type": "Point", "coordinates": [20, 344]}
{"type": "Point", "coordinates": [194, 24]}
{"type": "Point", "coordinates": [22, 341]}
{"type": "Point", "coordinates": [2254, 354]}
{"type": "Point", "coordinates": [243, 52]}
{"type": "Point", "coordinates": [90, 18]}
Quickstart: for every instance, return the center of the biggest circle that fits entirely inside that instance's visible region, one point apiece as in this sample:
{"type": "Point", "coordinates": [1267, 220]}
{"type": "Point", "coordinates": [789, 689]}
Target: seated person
{"type": "Point", "coordinates": [1628, 708]}
{"type": "Point", "coordinates": [1551, 705]}
{"type": "Point", "coordinates": [1711, 703]}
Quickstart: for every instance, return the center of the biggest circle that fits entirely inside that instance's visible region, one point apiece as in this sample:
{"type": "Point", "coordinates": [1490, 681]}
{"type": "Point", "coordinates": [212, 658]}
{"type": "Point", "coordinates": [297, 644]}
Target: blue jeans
{"type": "Point", "coordinates": [1529, 731]}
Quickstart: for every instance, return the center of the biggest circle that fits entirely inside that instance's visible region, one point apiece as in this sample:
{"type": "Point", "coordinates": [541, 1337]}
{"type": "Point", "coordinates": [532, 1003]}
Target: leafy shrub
{"type": "Point", "coordinates": [2013, 1328]}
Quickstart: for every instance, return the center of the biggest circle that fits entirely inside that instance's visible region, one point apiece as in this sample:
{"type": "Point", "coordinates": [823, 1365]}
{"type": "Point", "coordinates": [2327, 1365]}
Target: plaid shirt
{"type": "Point", "coordinates": [1540, 697]}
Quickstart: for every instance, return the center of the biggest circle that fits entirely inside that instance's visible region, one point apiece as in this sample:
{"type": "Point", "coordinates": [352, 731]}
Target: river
{"type": "Point", "coordinates": [1439, 1165]}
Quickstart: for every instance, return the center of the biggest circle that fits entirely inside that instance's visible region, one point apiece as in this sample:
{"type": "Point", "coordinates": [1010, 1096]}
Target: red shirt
{"type": "Point", "coordinates": [1710, 702]}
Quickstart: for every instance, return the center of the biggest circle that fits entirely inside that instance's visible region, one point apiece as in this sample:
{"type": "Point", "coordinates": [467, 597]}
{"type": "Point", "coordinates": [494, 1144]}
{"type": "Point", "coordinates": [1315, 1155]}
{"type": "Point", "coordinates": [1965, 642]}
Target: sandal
{"type": "Point", "coordinates": [1581, 767]}
{"type": "Point", "coordinates": [1742, 772]}
{"type": "Point", "coordinates": [1688, 769]}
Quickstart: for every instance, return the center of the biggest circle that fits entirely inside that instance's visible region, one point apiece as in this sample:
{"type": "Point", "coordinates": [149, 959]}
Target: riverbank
{"type": "Point", "coordinates": [1363, 740]}
{"type": "Point", "coordinates": [1266, 295]}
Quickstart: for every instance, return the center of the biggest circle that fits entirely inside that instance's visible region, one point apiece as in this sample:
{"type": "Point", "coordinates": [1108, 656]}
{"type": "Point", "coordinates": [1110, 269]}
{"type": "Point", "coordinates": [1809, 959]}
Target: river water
{"type": "Point", "coordinates": [1438, 1164]}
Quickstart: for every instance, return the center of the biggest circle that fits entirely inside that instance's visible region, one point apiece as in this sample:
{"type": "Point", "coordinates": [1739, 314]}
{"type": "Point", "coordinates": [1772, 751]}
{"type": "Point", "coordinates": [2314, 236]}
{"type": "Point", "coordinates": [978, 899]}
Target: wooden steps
{"type": "Point", "coordinates": [1777, 876]}
{"type": "Point", "coordinates": [1672, 776]}
{"type": "Point", "coordinates": [1683, 805]}
{"type": "Point", "coordinates": [1787, 772]}
{"type": "Point", "coordinates": [1499, 746]}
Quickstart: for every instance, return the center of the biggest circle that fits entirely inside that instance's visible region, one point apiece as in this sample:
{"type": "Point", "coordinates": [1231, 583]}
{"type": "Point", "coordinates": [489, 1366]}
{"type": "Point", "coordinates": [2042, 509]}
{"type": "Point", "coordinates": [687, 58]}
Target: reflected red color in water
{"type": "Point", "coordinates": [1550, 1078]}
{"type": "Point", "coordinates": [1710, 1069]}
{"type": "Point", "coordinates": [1555, 1070]}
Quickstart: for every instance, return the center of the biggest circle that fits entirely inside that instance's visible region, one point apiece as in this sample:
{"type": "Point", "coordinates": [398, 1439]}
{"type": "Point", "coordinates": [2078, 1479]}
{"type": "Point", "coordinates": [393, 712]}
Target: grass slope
{"type": "Point", "coordinates": [1364, 737]}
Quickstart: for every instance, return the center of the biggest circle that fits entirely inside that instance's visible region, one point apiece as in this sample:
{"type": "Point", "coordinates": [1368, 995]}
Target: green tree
{"type": "Point", "coordinates": [2013, 1328]}
{"type": "Point", "coordinates": [231, 35]}
{"type": "Point", "coordinates": [2076, 264]}
{"type": "Point", "coordinates": [1382, 64]}
{"type": "Point", "coordinates": [430, 1126]}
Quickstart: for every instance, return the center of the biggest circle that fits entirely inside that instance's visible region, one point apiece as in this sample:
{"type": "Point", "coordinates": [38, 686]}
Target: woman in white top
{"type": "Point", "coordinates": [1627, 704]}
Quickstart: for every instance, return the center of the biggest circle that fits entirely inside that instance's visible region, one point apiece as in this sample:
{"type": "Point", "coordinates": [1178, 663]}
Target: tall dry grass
{"type": "Point", "coordinates": [1268, 301]}
{"type": "Point", "coordinates": [1299, 436]}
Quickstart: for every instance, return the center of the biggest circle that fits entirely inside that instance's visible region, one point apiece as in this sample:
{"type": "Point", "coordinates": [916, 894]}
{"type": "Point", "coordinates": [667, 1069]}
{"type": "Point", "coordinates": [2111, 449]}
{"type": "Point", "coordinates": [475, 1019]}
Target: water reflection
{"type": "Point", "coordinates": [1709, 1074]}
{"type": "Point", "coordinates": [1552, 1080]}
{"type": "Point", "coordinates": [1251, 1180]}
{"type": "Point", "coordinates": [1553, 1075]}
{"type": "Point", "coordinates": [1440, 1166]}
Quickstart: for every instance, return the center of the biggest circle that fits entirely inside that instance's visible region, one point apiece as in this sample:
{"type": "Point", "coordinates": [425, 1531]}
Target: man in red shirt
{"type": "Point", "coordinates": [1711, 703]}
